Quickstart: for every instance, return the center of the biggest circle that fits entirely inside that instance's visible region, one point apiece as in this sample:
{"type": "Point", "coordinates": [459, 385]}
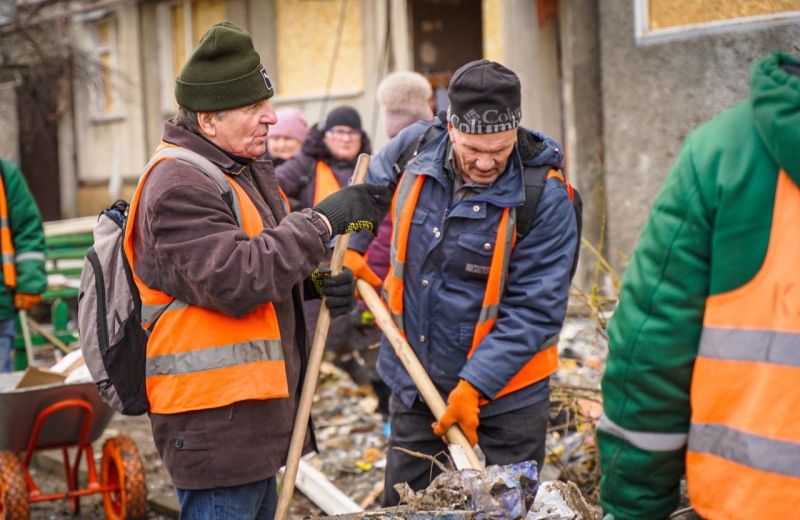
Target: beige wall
{"type": "Point", "coordinates": [295, 40]}
{"type": "Point", "coordinates": [307, 31]}
{"type": "Point", "coordinates": [493, 30]}
{"type": "Point", "coordinates": [112, 146]}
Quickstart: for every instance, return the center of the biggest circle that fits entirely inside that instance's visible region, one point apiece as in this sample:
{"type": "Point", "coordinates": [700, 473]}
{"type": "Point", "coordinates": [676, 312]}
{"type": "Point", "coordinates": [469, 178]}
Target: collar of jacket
{"type": "Point", "coordinates": [176, 135]}
{"type": "Point", "coordinates": [775, 97]}
{"type": "Point", "coordinates": [509, 189]}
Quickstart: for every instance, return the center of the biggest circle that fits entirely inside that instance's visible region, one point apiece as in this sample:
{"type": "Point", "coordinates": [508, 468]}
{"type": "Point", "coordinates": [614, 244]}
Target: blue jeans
{"type": "Point", "coordinates": [8, 329]}
{"type": "Point", "coordinates": [256, 501]}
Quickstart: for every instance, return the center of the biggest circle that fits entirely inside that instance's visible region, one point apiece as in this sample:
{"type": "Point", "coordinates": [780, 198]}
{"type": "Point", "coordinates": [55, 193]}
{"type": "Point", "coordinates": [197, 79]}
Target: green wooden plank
{"type": "Point", "coordinates": [82, 239]}
{"type": "Point", "coordinates": [64, 253]}
{"type": "Point", "coordinates": [38, 341]}
{"type": "Point", "coordinates": [67, 271]}
{"type": "Point", "coordinates": [62, 292]}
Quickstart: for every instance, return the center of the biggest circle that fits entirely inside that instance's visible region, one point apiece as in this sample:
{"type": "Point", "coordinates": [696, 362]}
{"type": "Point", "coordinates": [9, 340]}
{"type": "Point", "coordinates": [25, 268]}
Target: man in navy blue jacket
{"type": "Point", "coordinates": [489, 349]}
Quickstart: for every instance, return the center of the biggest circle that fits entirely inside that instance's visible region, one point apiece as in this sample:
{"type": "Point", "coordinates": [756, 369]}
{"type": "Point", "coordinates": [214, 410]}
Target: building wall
{"type": "Point", "coordinates": [111, 147]}
{"type": "Point", "coordinates": [295, 39]}
{"type": "Point", "coordinates": [9, 130]}
{"type": "Point", "coordinates": [653, 96]}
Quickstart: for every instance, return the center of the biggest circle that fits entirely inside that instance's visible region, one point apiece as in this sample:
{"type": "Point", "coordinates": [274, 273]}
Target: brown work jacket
{"type": "Point", "coordinates": [187, 244]}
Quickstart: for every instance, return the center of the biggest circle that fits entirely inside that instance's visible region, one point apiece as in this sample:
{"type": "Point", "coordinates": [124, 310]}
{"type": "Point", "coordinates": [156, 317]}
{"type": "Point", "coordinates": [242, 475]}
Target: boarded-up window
{"type": "Point", "coordinates": [662, 20]}
{"type": "Point", "coordinates": [189, 20]}
{"type": "Point", "coordinates": [307, 32]}
{"type": "Point", "coordinates": [104, 45]}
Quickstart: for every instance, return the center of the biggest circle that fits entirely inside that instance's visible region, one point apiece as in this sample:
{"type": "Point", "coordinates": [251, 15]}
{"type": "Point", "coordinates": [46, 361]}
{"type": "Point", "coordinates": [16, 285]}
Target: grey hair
{"type": "Point", "coordinates": [188, 119]}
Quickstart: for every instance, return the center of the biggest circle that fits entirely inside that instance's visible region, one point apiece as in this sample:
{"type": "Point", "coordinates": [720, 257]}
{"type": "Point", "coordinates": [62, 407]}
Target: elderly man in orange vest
{"type": "Point", "coordinates": [228, 350]}
{"type": "Point", "coordinates": [480, 299]}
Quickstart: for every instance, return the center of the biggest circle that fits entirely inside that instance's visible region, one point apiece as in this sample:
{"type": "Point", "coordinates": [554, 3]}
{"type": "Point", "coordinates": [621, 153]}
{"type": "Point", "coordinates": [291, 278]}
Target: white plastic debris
{"type": "Point", "coordinates": [559, 501]}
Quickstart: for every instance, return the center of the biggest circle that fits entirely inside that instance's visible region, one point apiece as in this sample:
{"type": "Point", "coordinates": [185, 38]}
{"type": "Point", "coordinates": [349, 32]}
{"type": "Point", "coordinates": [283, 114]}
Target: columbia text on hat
{"type": "Point", "coordinates": [485, 98]}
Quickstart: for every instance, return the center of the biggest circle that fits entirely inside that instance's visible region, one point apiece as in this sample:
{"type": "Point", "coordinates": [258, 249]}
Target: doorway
{"type": "Point", "coordinates": [446, 35]}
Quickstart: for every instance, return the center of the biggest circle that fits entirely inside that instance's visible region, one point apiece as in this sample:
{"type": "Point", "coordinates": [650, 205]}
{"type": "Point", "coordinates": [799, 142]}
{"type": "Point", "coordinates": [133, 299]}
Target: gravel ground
{"type": "Point", "coordinates": [350, 438]}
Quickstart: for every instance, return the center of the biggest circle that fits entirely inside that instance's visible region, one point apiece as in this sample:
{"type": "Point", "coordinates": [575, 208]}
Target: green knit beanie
{"type": "Point", "coordinates": [223, 72]}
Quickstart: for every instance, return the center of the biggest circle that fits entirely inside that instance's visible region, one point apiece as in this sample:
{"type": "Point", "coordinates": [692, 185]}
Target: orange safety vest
{"type": "Point", "coordinates": [743, 457]}
{"type": "Point", "coordinates": [198, 358]}
{"type": "Point", "coordinates": [542, 364]}
{"type": "Point", "coordinates": [6, 242]}
{"type": "Point", "coordinates": [326, 183]}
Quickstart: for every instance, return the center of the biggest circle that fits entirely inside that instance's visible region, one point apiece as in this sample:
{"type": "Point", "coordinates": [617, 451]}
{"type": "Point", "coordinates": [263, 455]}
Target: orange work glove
{"type": "Point", "coordinates": [356, 262]}
{"type": "Point", "coordinates": [24, 301]}
{"type": "Point", "coordinates": [462, 408]}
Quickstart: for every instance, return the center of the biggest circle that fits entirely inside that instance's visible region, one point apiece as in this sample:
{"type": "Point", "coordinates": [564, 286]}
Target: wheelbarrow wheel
{"type": "Point", "coordinates": [122, 467]}
{"type": "Point", "coordinates": [13, 488]}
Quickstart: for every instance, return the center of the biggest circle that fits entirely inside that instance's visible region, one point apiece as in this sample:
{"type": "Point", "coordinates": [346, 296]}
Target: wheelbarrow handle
{"type": "Point", "coordinates": [26, 336]}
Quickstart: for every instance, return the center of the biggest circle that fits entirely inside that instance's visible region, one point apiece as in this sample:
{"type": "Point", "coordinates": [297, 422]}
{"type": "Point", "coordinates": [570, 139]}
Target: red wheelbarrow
{"type": "Point", "coordinates": [60, 417]}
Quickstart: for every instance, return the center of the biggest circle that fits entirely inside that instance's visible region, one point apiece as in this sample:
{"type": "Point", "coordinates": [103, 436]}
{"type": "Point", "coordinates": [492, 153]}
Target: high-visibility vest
{"type": "Point", "coordinates": [198, 358]}
{"type": "Point", "coordinates": [6, 242]}
{"type": "Point", "coordinates": [326, 183]}
{"type": "Point", "coordinates": [543, 363]}
{"type": "Point", "coordinates": [743, 456]}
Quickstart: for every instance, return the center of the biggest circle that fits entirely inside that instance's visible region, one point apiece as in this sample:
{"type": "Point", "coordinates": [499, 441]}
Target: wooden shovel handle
{"type": "Point", "coordinates": [312, 370]}
{"type": "Point", "coordinates": [415, 369]}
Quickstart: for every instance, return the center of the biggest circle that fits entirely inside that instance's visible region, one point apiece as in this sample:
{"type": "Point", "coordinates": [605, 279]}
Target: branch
{"type": "Point", "coordinates": [422, 456]}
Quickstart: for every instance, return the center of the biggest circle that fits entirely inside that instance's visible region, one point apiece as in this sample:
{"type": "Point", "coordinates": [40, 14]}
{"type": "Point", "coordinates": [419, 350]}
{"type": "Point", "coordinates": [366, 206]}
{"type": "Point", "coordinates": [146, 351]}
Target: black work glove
{"type": "Point", "coordinates": [339, 290]}
{"type": "Point", "coordinates": [355, 207]}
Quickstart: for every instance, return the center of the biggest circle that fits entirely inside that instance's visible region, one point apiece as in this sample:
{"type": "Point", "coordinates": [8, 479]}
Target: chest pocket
{"type": "Point", "coordinates": [473, 256]}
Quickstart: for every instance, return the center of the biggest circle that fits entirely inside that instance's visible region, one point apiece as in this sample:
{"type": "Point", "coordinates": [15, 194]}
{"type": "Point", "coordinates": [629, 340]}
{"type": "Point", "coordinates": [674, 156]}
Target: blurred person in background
{"type": "Point", "coordinates": [324, 165]}
{"type": "Point", "coordinates": [22, 246]}
{"type": "Point", "coordinates": [286, 136]}
{"type": "Point", "coordinates": [327, 159]}
{"type": "Point", "coordinates": [404, 98]}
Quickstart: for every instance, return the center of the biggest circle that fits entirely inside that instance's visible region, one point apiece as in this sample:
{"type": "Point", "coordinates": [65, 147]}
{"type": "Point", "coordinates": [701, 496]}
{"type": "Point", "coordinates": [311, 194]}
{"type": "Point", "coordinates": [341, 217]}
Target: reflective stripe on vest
{"type": "Point", "coordinates": [543, 363]}
{"type": "Point", "coordinates": [650, 441]}
{"type": "Point", "coordinates": [743, 458]}
{"type": "Point", "coordinates": [198, 358]}
{"type": "Point", "coordinates": [326, 183]}
{"type": "Point", "coordinates": [6, 242]}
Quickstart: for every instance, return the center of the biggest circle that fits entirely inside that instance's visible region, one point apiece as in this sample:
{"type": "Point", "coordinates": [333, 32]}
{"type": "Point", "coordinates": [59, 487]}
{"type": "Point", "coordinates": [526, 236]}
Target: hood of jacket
{"type": "Point", "coordinates": [314, 146]}
{"type": "Point", "coordinates": [775, 97]}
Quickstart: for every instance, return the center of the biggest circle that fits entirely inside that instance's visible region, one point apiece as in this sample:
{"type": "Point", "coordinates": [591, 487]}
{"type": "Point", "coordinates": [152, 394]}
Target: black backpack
{"type": "Point", "coordinates": [534, 178]}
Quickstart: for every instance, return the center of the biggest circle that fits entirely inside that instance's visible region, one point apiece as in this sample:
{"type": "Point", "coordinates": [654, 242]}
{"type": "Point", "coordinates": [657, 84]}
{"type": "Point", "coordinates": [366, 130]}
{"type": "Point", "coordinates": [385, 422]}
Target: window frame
{"type": "Point", "coordinates": [643, 35]}
{"type": "Point", "coordinates": [166, 63]}
{"type": "Point", "coordinates": [97, 96]}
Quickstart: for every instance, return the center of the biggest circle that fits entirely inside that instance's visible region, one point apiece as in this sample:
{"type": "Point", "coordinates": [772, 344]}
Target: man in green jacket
{"type": "Point", "coordinates": [701, 350]}
{"type": "Point", "coordinates": [22, 245]}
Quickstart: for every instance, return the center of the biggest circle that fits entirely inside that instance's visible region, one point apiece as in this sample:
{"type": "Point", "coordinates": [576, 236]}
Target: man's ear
{"type": "Point", "coordinates": [451, 132]}
{"type": "Point", "coordinates": [207, 124]}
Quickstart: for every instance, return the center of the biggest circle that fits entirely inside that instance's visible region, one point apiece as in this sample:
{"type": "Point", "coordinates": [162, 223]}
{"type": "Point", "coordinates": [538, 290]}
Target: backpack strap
{"type": "Point", "coordinates": [208, 168]}
{"type": "Point", "coordinates": [534, 178]}
{"type": "Point", "coordinates": [414, 147]}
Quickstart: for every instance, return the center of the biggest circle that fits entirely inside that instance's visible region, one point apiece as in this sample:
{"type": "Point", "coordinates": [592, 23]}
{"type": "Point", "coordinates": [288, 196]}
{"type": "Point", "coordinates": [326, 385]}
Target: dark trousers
{"type": "Point", "coordinates": [505, 439]}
